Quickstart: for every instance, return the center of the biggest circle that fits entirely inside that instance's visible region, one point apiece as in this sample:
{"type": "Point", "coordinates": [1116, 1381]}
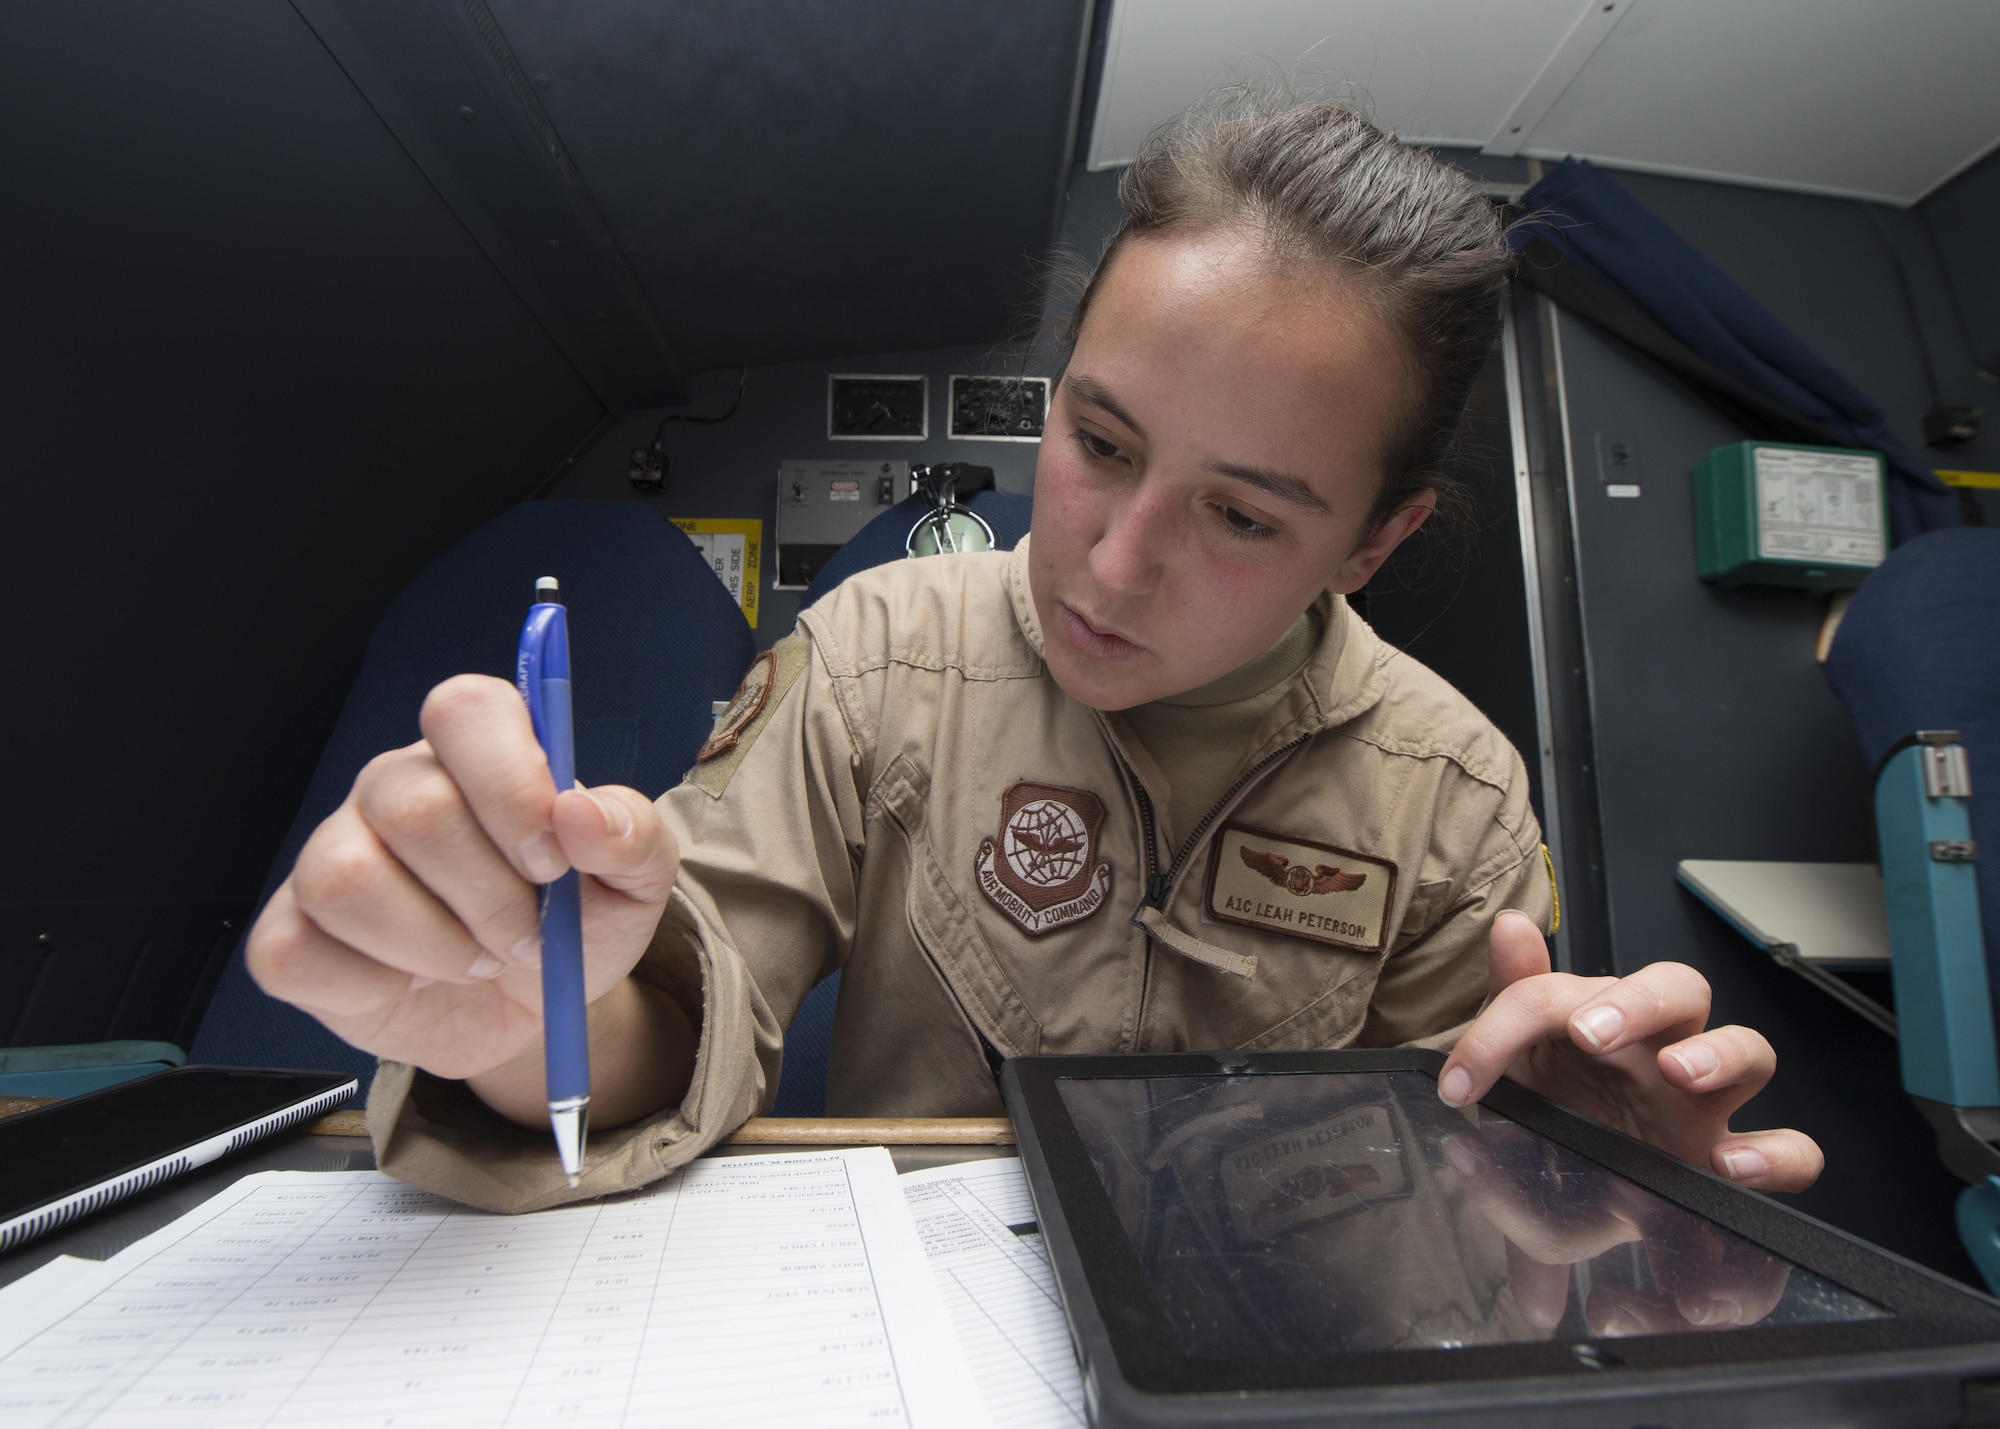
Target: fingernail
{"type": "Point", "coordinates": [1455, 1087]}
{"type": "Point", "coordinates": [528, 952]}
{"type": "Point", "coordinates": [485, 967]}
{"type": "Point", "coordinates": [1460, 1156]}
{"type": "Point", "coordinates": [1719, 1311]}
{"type": "Point", "coordinates": [1598, 1026]}
{"type": "Point", "coordinates": [1741, 1163]}
{"type": "Point", "coordinates": [1697, 1061]}
{"type": "Point", "coordinates": [541, 857]}
{"type": "Point", "coordinates": [617, 821]}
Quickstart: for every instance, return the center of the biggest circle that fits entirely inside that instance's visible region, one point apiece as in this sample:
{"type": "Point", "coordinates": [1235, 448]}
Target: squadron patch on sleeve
{"type": "Point", "coordinates": [737, 727]}
{"type": "Point", "coordinates": [1304, 889]}
{"type": "Point", "coordinates": [749, 701]}
{"type": "Point", "coordinates": [1042, 871]}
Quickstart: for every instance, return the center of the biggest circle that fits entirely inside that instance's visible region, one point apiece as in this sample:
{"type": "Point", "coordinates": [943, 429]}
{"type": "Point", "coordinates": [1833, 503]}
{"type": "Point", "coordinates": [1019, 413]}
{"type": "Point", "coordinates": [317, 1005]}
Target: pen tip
{"type": "Point", "coordinates": [574, 1181]}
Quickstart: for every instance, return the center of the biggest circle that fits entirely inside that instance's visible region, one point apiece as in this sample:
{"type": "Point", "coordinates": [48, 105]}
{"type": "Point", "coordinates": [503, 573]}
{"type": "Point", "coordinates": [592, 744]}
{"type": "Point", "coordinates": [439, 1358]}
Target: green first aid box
{"type": "Point", "coordinates": [1811, 518]}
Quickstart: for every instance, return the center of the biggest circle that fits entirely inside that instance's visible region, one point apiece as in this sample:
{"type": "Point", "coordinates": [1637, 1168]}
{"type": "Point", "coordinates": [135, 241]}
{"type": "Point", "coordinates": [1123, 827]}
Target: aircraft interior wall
{"type": "Point", "coordinates": [258, 374]}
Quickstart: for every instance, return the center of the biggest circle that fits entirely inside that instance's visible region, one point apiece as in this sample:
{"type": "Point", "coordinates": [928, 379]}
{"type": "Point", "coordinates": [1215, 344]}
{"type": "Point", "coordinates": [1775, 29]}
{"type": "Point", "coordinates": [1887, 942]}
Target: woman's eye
{"type": "Point", "coordinates": [1096, 447]}
{"type": "Point", "coordinates": [1241, 525]}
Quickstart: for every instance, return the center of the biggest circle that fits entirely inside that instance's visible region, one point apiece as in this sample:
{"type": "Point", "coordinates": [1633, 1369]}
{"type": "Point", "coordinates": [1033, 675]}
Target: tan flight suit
{"type": "Point", "coordinates": [902, 792]}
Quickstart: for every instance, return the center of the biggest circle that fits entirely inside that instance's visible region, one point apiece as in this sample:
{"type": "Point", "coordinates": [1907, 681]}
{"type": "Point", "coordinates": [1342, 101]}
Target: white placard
{"type": "Point", "coordinates": [1818, 506]}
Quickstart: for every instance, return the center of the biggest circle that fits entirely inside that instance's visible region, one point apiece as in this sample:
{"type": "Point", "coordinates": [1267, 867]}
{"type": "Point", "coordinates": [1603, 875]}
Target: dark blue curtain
{"type": "Point", "coordinates": [1596, 248]}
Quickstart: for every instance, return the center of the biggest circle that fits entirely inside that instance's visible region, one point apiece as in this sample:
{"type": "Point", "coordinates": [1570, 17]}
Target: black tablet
{"type": "Point", "coordinates": [77, 1155]}
{"type": "Point", "coordinates": [1297, 1238]}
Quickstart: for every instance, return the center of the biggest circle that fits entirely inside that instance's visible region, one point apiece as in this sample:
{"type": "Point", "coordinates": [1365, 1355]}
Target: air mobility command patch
{"type": "Point", "coordinates": [737, 727]}
{"type": "Point", "coordinates": [1042, 871]}
{"type": "Point", "coordinates": [1307, 890]}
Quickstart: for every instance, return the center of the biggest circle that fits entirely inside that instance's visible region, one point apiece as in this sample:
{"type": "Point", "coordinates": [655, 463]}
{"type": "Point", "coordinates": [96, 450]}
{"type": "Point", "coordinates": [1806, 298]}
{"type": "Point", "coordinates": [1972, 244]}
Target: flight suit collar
{"type": "Point", "coordinates": [1345, 677]}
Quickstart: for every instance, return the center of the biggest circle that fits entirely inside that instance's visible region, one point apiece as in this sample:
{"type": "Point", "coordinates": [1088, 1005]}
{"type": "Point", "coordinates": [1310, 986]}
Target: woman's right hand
{"type": "Point", "coordinates": [409, 924]}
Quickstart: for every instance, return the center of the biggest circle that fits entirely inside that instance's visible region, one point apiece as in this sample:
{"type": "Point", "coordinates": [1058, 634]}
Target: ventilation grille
{"type": "Point", "coordinates": [49, 1217]}
{"type": "Point", "coordinates": [305, 1111]}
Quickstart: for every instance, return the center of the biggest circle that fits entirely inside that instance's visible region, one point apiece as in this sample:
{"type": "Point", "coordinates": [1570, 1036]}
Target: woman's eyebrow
{"type": "Point", "coordinates": [1089, 389]}
{"type": "Point", "coordinates": [1281, 485]}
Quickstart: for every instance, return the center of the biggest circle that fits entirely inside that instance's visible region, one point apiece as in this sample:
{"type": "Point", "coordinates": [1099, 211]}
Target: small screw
{"type": "Point", "coordinates": [467, 113]}
{"type": "Point", "coordinates": [43, 939]}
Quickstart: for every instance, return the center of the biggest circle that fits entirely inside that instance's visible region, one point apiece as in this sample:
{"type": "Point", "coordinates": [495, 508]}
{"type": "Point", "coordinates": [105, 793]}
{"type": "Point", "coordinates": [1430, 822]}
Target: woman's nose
{"type": "Point", "coordinates": [1126, 558]}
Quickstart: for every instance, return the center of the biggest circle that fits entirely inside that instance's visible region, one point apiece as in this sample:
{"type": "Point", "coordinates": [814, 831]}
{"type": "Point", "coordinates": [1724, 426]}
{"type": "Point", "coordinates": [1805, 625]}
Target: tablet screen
{"type": "Point", "coordinates": [1277, 1216]}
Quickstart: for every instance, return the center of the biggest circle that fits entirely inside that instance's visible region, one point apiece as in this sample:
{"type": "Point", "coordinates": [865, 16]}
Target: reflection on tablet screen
{"type": "Point", "coordinates": [1308, 1214]}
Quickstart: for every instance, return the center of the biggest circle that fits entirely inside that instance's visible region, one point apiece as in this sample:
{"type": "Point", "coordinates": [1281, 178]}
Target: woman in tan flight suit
{"type": "Point", "coordinates": [1144, 784]}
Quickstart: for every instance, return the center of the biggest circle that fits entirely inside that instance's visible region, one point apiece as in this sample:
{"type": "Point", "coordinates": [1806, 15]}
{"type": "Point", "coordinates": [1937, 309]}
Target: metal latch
{"type": "Point", "coordinates": [1954, 851]}
{"type": "Point", "coordinates": [1946, 774]}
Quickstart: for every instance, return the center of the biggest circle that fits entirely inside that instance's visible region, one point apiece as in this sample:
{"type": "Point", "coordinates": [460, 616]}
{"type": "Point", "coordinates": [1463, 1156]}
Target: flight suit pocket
{"type": "Point", "coordinates": [946, 929]}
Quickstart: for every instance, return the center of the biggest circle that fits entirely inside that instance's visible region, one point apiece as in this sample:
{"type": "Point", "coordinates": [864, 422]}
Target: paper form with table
{"type": "Point", "coordinates": [744, 1290]}
{"type": "Point", "coordinates": [980, 1237]}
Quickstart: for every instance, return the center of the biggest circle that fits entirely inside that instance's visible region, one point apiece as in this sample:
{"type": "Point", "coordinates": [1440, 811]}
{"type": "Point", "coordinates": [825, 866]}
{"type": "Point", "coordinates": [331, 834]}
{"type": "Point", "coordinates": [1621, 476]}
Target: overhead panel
{"type": "Point", "coordinates": [1863, 98]}
{"type": "Point", "coordinates": [795, 179]}
{"type": "Point", "coordinates": [1434, 71]}
{"type": "Point", "coordinates": [443, 83]}
{"type": "Point", "coordinates": [1869, 98]}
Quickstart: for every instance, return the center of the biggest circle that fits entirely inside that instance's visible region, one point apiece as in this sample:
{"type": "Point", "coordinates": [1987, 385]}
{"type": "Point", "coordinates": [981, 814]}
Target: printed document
{"type": "Point", "coordinates": [785, 1289]}
{"type": "Point", "coordinates": [979, 1234]}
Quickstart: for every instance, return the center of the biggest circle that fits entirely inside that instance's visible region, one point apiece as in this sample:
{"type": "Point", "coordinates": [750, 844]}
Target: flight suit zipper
{"type": "Point", "coordinates": [1150, 916]}
{"type": "Point", "coordinates": [1159, 884]}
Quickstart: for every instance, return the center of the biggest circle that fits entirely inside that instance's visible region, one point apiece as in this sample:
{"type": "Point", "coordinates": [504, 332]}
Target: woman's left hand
{"type": "Point", "coordinates": [1635, 1053]}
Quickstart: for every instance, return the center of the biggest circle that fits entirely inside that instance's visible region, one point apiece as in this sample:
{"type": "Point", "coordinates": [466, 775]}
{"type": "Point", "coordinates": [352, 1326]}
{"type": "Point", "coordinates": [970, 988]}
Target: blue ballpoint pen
{"type": "Point", "coordinates": [541, 673]}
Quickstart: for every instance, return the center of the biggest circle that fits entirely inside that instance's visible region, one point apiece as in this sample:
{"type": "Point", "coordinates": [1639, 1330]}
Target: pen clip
{"type": "Point", "coordinates": [543, 656]}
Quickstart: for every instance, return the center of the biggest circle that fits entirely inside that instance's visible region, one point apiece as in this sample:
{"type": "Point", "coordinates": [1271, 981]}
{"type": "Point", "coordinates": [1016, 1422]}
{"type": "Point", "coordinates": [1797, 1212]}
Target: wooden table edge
{"type": "Point", "coordinates": [758, 1131]}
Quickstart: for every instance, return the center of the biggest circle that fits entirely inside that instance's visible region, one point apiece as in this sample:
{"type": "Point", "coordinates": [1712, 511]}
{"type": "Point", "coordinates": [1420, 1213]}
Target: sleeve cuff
{"type": "Point", "coordinates": [438, 1135]}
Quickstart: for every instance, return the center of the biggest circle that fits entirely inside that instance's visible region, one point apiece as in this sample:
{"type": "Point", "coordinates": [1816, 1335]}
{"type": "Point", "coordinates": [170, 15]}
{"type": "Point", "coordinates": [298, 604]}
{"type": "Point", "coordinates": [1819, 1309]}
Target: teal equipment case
{"type": "Point", "coordinates": [1810, 518]}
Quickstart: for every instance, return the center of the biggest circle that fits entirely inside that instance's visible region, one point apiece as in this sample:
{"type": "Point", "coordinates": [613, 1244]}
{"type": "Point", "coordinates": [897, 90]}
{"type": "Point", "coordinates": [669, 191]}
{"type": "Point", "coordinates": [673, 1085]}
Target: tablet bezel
{"type": "Point", "coordinates": [1105, 1289]}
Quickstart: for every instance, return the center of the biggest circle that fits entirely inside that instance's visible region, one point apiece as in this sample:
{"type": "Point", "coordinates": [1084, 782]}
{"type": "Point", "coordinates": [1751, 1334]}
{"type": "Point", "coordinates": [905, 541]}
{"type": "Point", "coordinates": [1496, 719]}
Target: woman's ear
{"type": "Point", "coordinates": [1402, 523]}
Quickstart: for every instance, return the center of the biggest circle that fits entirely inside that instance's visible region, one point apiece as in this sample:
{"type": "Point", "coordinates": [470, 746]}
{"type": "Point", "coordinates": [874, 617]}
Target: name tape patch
{"type": "Point", "coordinates": [1304, 889]}
{"type": "Point", "coordinates": [1328, 1168]}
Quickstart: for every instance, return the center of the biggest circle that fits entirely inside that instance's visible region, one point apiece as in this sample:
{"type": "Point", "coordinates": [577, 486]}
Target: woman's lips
{"type": "Point", "coordinates": [1097, 644]}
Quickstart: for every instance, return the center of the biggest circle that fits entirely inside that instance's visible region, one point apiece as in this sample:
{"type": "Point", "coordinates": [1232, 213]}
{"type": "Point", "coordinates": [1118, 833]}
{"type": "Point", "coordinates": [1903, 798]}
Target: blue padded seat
{"type": "Point", "coordinates": [654, 638]}
{"type": "Point", "coordinates": [802, 1083]}
{"type": "Point", "coordinates": [1919, 648]}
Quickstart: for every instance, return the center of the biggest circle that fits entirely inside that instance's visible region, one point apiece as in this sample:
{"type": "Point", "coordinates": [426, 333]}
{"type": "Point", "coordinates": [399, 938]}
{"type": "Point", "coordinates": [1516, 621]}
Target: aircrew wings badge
{"type": "Point", "coordinates": [1043, 871]}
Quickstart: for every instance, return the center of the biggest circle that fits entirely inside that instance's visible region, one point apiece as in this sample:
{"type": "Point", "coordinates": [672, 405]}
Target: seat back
{"type": "Point", "coordinates": [1919, 649]}
{"type": "Point", "coordinates": [1917, 662]}
{"type": "Point", "coordinates": [654, 640]}
{"type": "Point", "coordinates": [809, 1039]}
